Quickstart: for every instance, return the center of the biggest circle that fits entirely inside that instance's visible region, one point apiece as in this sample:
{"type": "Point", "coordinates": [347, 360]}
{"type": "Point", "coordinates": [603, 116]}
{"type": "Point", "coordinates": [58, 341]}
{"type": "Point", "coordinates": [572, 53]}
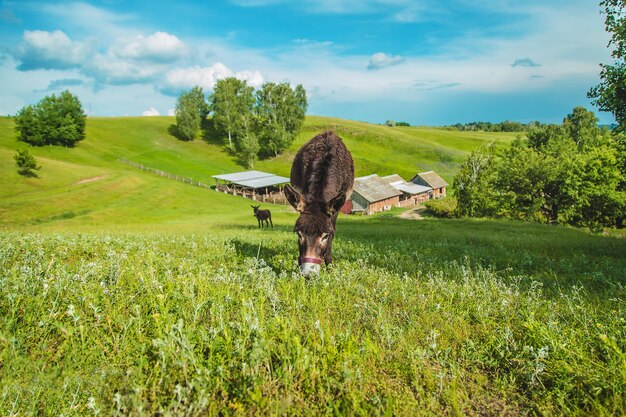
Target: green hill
{"type": "Point", "coordinates": [87, 186]}
{"type": "Point", "coordinates": [125, 293]}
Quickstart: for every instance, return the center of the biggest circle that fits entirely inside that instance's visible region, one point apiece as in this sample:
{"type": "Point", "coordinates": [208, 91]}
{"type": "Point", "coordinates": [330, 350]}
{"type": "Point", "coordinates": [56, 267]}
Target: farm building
{"type": "Point", "coordinates": [256, 185]}
{"type": "Point", "coordinates": [431, 179]}
{"type": "Point", "coordinates": [372, 194]}
{"type": "Point", "coordinates": [412, 193]}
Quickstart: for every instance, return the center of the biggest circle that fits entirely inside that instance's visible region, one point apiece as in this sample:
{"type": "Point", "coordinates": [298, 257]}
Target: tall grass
{"type": "Point", "coordinates": [145, 324]}
{"type": "Point", "coordinates": [135, 295]}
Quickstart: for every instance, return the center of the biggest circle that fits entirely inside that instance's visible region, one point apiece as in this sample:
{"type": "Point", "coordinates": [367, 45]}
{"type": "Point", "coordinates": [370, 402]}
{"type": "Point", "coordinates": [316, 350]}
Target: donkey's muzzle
{"type": "Point", "coordinates": [310, 266]}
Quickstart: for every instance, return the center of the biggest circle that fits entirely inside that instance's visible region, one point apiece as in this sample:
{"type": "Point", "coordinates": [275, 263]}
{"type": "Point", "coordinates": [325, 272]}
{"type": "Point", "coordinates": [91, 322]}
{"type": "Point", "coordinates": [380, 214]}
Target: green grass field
{"type": "Point", "coordinates": [131, 294]}
{"type": "Point", "coordinates": [122, 196]}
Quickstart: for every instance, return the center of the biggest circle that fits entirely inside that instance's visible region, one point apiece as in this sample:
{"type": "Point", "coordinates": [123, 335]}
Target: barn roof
{"type": "Point", "coordinates": [252, 179]}
{"type": "Point", "coordinates": [373, 188]}
{"type": "Point", "coordinates": [392, 178]}
{"type": "Point", "coordinates": [397, 182]}
{"type": "Point", "coordinates": [432, 179]}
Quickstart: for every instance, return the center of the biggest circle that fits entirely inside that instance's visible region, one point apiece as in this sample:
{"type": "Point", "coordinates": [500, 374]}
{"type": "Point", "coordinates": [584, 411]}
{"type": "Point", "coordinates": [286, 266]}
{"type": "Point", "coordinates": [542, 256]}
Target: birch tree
{"type": "Point", "coordinates": [232, 102]}
{"type": "Point", "coordinates": [280, 114]}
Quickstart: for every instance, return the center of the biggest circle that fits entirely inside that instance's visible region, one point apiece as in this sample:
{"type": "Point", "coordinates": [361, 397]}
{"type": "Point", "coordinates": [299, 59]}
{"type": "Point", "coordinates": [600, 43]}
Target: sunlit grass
{"type": "Point", "coordinates": [121, 192]}
{"type": "Point", "coordinates": [131, 294]}
{"type": "Point", "coordinates": [144, 324]}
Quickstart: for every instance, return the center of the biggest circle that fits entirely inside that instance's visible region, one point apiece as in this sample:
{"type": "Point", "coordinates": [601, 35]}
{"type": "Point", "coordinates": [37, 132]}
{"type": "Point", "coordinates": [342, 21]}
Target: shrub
{"type": "Point", "coordinates": [444, 207]}
{"type": "Point", "coordinates": [26, 163]}
{"type": "Point", "coordinates": [53, 121]}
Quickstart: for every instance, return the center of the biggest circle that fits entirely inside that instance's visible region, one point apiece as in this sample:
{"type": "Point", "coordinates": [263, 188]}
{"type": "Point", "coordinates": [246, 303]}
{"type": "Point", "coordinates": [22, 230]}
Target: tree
{"type": "Point", "coordinates": [570, 173]}
{"type": "Point", "coordinates": [249, 149]}
{"type": "Point", "coordinates": [199, 102]}
{"type": "Point", "coordinates": [246, 123]}
{"type": "Point", "coordinates": [280, 114]}
{"type": "Point", "coordinates": [26, 163]}
{"type": "Point", "coordinates": [599, 200]}
{"type": "Point", "coordinates": [520, 178]}
{"type": "Point", "coordinates": [191, 109]}
{"type": "Point", "coordinates": [610, 94]}
{"type": "Point", "coordinates": [28, 126]}
{"type": "Point", "coordinates": [52, 121]}
{"type": "Point", "coordinates": [560, 187]}
{"type": "Point", "coordinates": [539, 137]}
{"type": "Point", "coordinates": [472, 185]}
{"type": "Point", "coordinates": [232, 101]}
{"type": "Point", "coordinates": [582, 127]}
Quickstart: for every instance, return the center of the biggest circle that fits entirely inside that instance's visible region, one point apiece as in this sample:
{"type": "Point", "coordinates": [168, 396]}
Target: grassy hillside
{"type": "Point", "coordinates": [124, 293]}
{"type": "Point", "coordinates": [86, 186]}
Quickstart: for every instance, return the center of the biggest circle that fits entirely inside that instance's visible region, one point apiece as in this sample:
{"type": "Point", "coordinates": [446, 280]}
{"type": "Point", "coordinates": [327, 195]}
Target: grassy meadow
{"type": "Point", "coordinates": [124, 293]}
{"type": "Point", "coordinates": [87, 186]}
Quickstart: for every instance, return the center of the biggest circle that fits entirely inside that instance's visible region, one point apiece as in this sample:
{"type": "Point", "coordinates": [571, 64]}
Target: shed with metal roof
{"type": "Point", "coordinates": [252, 184]}
{"type": "Point", "coordinates": [412, 193]}
{"type": "Point", "coordinates": [372, 194]}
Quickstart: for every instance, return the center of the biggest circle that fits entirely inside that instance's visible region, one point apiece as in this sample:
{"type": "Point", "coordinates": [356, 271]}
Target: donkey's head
{"type": "Point", "coordinates": [255, 208]}
{"type": "Point", "coordinates": [315, 229]}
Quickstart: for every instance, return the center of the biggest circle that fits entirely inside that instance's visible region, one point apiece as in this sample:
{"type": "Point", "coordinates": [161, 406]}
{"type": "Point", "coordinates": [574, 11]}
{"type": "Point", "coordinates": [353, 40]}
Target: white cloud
{"type": "Point", "coordinates": [253, 78]}
{"type": "Point", "coordinates": [171, 112]}
{"type": "Point", "coordinates": [381, 60]}
{"type": "Point", "coordinates": [206, 77]}
{"type": "Point", "coordinates": [142, 59]}
{"type": "Point", "coordinates": [41, 49]}
{"type": "Point", "coordinates": [151, 112]}
{"type": "Point", "coordinates": [110, 69]}
{"type": "Point", "coordinates": [160, 47]}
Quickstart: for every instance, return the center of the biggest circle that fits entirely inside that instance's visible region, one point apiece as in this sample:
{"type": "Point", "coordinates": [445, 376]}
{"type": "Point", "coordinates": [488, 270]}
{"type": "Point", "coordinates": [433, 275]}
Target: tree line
{"type": "Point", "coordinates": [253, 123]}
{"type": "Point", "coordinates": [571, 173]}
{"type": "Point", "coordinates": [506, 126]}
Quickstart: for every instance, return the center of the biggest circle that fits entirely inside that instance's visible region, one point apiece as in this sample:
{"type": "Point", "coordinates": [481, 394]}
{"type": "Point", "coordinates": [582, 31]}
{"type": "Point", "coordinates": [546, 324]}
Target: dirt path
{"type": "Point", "coordinates": [414, 213]}
{"type": "Point", "coordinates": [92, 179]}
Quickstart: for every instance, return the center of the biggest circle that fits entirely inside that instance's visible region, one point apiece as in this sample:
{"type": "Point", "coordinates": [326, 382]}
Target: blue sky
{"type": "Point", "coordinates": [426, 62]}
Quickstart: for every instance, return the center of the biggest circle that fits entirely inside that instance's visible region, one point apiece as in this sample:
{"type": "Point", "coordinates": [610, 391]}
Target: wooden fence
{"type": "Point", "coordinates": [274, 198]}
{"type": "Point", "coordinates": [165, 174]}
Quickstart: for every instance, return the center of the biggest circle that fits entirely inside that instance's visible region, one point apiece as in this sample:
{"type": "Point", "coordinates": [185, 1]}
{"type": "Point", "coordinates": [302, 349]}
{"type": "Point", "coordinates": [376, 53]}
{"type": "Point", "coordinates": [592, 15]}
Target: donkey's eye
{"type": "Point", "coordinates": [324, 237]}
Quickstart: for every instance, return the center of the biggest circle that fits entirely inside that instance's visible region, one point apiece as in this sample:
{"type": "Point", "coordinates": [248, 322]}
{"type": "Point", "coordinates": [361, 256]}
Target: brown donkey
{"type": "Point", "coordinates": [263, 216]}
{"type": "Point", "coordinates": [322, 176]}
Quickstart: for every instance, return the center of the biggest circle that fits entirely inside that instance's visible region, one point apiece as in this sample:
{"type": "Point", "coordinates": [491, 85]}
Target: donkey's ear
{"type": "Point", "coordinates": [336, 204]}
{"type": "Point", "coordinates": [294, 198]}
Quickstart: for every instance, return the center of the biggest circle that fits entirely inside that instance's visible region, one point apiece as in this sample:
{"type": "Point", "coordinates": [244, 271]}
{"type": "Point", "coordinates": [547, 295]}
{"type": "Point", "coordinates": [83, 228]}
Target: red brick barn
{"type": "Point", "coordinates": [372, 194]}
{"type": "Point", "coordinates": [412, 193]}
{"type": "Point", "coordinates": [431, 179]}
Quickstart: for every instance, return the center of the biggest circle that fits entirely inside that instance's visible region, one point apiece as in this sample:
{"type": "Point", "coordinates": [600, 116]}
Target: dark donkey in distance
{"type": "Point", "coordinates": [263, 216]}
{"type": "Point", "coordinates": [322, 176]}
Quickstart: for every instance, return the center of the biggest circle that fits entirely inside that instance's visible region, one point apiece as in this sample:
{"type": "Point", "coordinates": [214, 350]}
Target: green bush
{"type": "Point", "coordinates": [444, 207]}
{"type": "Point", "coordinates": [53, 121]}
{"type": "Point", "coordinates": [26, 163]}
